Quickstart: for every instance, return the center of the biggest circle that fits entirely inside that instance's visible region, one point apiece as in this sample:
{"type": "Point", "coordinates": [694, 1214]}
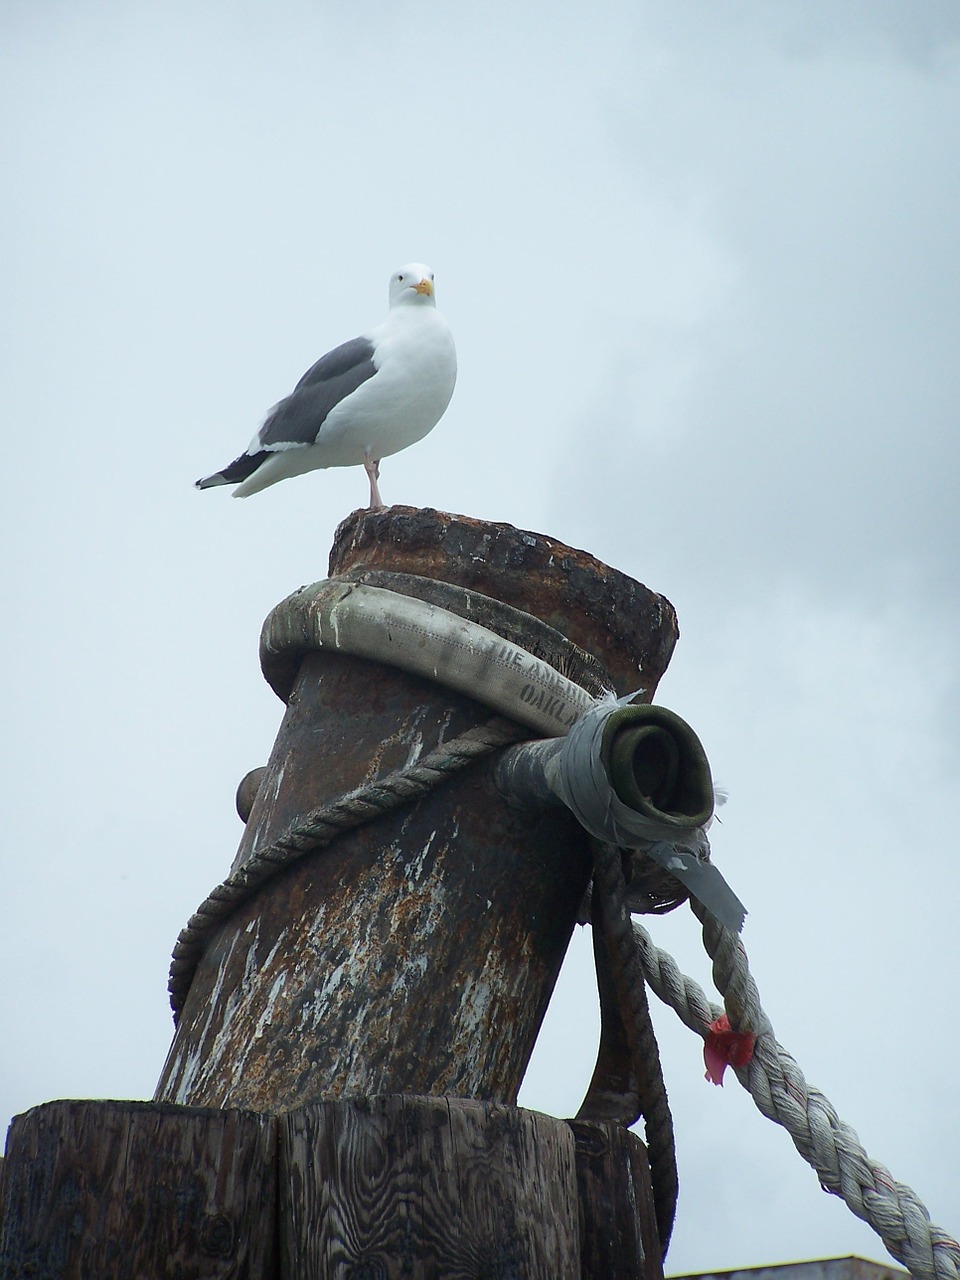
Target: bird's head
{"type": "Point", "coordinates": [412, 285]}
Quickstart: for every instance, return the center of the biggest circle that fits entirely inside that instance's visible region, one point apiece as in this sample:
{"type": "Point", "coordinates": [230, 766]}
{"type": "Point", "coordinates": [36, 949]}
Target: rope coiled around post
{"type": "Point", "coordinates": [780, 1091]}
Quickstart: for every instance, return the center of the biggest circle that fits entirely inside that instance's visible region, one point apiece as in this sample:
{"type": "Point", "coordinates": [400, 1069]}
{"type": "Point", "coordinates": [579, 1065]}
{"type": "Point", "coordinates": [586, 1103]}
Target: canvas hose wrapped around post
{"type": "Point", "coordinates": [426, 640]}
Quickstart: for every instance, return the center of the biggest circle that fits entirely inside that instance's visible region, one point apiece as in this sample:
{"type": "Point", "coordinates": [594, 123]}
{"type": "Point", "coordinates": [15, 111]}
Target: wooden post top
{"type": "Point", "coordinates": [384, 1187]}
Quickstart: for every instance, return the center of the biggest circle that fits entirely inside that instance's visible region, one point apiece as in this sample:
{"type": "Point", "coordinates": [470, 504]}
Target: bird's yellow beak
{"type": "Point", "coordinates": [425, 286]}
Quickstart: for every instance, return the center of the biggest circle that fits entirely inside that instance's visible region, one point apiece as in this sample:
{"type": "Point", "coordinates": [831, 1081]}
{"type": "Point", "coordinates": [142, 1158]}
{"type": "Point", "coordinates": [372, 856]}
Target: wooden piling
{"type": "Point", "coordinates": [393, 1188]}
{"type": "Point", "coordinates": [428, 1187]}
{"type": "Point", "coordinates": [139, 1190]}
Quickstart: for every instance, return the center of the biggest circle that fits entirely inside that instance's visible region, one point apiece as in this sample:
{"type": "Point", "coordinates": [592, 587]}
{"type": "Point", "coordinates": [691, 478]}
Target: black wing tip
{"type": "Point", "coordinates": [239, 469]}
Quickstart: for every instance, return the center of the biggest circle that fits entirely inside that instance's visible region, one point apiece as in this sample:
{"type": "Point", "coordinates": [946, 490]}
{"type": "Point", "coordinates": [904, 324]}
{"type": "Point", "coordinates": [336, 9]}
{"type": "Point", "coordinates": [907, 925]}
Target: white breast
{"type": "Point", "coordinates": [416, 373]}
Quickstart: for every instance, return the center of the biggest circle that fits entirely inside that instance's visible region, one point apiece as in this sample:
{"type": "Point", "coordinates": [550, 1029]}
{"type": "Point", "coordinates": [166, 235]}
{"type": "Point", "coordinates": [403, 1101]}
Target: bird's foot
{"type": "Point", "coordinates": [372, 468]}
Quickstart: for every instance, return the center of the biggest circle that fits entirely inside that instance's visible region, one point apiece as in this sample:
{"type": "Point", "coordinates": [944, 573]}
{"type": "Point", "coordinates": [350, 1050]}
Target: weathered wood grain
{"type": "Point", "coordinates": [424, 1189]}
{"type": "Point", "coordinates": [618, 1232]}
{"type": "Point", "coordinates": [136, 1190]}
{"type": "Point", "coordinates": [370, 1189]}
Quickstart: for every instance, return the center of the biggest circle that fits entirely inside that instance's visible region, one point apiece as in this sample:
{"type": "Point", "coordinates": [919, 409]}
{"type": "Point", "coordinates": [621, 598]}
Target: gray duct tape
{"type": "Point", "coordinates": [577, 776]}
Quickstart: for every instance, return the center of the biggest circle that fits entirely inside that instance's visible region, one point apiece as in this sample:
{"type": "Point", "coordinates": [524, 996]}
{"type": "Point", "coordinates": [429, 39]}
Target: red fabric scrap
{"type": "Point", "coordinates": [725, 1048]}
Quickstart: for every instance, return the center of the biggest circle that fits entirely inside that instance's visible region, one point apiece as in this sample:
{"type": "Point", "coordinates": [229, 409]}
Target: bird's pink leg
{"type": "Point", "coordinates": [372, 468]}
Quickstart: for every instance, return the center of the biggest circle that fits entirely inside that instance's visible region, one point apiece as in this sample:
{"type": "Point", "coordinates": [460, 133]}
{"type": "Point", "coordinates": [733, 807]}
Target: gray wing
{"type": "Point", "coordinates": [298, 418]}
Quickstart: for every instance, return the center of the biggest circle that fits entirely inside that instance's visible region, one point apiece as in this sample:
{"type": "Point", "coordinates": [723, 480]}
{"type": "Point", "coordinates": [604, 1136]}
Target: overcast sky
{"type": "Point", "coordinates": [702, 264]}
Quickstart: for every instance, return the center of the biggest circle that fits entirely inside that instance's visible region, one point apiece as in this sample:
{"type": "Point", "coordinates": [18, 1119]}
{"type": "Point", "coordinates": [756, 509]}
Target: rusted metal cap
{"type": "Point", "coordinates": [629, 628]}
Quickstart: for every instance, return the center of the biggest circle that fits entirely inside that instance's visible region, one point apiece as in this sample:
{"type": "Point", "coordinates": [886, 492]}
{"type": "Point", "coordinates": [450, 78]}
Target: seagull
{"type": "Point", "coordinates": [362, 401]}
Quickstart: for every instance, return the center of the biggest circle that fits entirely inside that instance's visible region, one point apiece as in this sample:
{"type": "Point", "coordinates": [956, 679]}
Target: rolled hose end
{"type": "Point", "coordinates": [657, 766]}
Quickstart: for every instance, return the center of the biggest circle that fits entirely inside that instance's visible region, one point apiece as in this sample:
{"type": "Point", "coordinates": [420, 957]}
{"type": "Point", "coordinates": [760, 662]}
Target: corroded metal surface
{"type": "Point", "coordinates": [417, 953]}
{"type": "Point", "coordinates": [631, 629]}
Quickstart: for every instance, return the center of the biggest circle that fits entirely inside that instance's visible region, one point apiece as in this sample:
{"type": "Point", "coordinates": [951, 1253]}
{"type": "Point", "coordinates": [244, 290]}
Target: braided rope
{"type": "Point", "coordinates": [321, 826]}
{"type": "Point", "coordinates": [614, 920]}
{"type": "Point", "coordinates": [780, 1091]}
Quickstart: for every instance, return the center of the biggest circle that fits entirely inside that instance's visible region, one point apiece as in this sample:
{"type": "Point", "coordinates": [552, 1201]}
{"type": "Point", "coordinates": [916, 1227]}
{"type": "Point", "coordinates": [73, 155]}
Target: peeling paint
{"type": "Point", "coordinates": [335, 626]}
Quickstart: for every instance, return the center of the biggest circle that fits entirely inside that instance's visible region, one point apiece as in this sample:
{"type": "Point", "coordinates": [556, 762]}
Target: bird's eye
{"type": "Point", "coordinates": [400, 276]}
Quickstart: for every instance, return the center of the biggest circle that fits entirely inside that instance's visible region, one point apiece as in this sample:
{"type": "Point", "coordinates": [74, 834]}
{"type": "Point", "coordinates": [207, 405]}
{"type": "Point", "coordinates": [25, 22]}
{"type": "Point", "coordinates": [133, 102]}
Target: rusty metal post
{"type": "Point", "coordinates": [416, 954]}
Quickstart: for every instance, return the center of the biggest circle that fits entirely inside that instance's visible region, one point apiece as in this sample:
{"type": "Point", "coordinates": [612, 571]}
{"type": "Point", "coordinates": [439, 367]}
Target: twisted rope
{"type": "Point", "coordinates": [780, 1091]}
{"type": "Point", "coordinates": [613, 917]}
{"type": "Point", "coordinates": [318, 828]}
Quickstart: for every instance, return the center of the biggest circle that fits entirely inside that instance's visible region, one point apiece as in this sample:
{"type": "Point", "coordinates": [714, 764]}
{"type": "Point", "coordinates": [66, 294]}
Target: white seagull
{"type": "Point", "coordinates": [361, 402]}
